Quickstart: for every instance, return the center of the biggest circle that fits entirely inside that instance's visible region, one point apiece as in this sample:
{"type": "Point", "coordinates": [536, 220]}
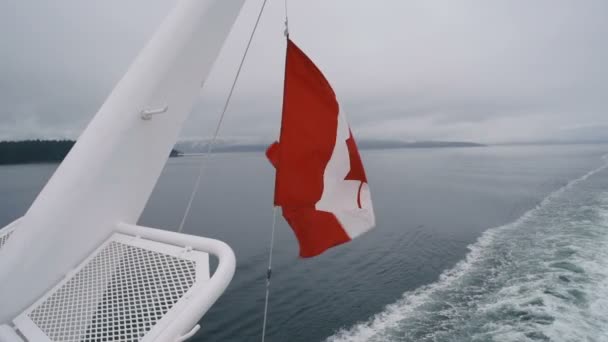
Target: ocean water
{"type": "Point", "coordinates": [504, 243]}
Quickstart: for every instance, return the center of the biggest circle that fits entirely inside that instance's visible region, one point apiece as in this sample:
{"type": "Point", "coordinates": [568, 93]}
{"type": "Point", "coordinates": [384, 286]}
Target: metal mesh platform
{"type": "Point", "coordinates": [113, 297]}
{"type": "Point", "coordinates": [120, 293]}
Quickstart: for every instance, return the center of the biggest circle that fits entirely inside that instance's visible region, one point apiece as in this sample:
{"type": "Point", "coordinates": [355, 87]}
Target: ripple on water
{"type": "Point", "coordinates": [541, 278]}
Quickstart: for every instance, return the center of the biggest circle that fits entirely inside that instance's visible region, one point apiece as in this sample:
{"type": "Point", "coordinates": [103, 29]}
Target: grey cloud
{"type": "Point", "coordinates": [488, 71]}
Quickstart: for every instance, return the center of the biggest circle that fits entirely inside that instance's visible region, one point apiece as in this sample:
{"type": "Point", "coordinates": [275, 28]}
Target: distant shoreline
{"type": "Point", "coordinates": [39, 151]}
{"type": "Point", "coordinates": [54, 151]}
{"type": "Point", "coordinates": [193, 148]}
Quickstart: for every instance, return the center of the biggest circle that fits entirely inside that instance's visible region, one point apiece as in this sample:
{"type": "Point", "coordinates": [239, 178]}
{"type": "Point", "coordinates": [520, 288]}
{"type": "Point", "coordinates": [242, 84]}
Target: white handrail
{"type": "Point", "coordinates": [204, 294]}
{"type": "Point", "coordinates": [146, 114]}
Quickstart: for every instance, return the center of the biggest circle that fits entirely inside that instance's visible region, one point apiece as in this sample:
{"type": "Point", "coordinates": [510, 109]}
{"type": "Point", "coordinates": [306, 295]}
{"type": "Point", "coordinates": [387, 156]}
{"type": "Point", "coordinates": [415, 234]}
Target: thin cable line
{"type": "Point", "coordinates": [274, 221]}
{"type": "Point", "coordinates": [286, 21]}
{"type": "Point", "coordinates": [219, 124]}
{"type": "Point", "coordinates": [269, 272]}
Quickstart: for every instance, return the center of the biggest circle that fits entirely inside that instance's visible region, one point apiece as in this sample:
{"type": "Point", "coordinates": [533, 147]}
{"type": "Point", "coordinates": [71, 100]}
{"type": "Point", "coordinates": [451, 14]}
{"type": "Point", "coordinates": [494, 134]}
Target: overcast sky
{"type": "Point", "coordinates": [476, 70]}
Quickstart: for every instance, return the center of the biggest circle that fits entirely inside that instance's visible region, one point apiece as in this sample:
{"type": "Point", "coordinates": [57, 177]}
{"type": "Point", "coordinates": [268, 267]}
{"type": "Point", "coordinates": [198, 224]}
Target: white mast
{"type": "Point", "coordinates": [111, 171]}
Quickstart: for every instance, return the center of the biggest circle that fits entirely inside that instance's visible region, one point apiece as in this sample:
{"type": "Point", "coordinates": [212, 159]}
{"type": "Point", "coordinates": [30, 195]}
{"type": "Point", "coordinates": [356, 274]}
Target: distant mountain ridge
{"type": "Point", "coordinates": [201, 146]}
{"type": "Point", "coordinates": [382, 144]}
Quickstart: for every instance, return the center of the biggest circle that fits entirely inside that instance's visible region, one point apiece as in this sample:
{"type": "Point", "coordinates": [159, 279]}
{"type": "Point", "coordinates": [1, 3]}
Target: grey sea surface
{"type": "Point", "coordinates": [499, 243]}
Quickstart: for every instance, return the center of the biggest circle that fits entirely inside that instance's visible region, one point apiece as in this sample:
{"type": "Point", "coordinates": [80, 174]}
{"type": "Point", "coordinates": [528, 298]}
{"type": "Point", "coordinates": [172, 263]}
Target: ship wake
{"type": "Point", "coordinates": [543, 277]}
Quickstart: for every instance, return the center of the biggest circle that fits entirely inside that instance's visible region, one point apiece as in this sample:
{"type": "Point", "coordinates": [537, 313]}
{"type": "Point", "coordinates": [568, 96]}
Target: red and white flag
{"type": "Point", "coordinates": [320, 181]}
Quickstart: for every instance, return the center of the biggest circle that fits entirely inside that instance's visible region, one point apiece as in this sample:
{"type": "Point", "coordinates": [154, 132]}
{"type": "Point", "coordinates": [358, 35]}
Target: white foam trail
{"type": "Point", "coordinates": [396, 312]}
{"type": "Point", "coordinates": [381, 325]}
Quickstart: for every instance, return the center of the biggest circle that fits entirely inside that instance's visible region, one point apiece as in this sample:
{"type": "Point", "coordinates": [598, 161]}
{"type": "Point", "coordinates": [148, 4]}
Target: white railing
{"type": "Point", "coordinates": [204, 295]}
{"type": "Point", "coordinates": [141, 284]}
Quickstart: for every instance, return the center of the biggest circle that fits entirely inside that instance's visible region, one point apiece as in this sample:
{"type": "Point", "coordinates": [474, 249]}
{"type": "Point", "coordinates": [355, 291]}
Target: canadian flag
{"type": "Point", "coordinates": [320, 181]}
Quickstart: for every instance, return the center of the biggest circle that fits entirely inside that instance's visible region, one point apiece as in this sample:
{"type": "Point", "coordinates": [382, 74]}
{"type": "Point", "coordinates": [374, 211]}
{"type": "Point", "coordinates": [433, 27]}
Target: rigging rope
{"type": "Point", "coordinates": [269, 271]}
{"type": "Point", "coordinates": [219, 124]}
{"type": "Point", "coordinates": [274, 220]}
{"type": "Point", "coordinates": [286, 21]}
{"type": "Point", "coordinates": [209, 151]}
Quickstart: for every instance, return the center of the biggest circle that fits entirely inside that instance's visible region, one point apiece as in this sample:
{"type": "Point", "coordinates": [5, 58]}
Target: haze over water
{"type": "Point", "coordinates": [502, 243]}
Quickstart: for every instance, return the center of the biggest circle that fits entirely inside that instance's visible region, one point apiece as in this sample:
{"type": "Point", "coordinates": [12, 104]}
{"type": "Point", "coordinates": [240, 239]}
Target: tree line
{"type": "Point", "coordinates": [38, 151]}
